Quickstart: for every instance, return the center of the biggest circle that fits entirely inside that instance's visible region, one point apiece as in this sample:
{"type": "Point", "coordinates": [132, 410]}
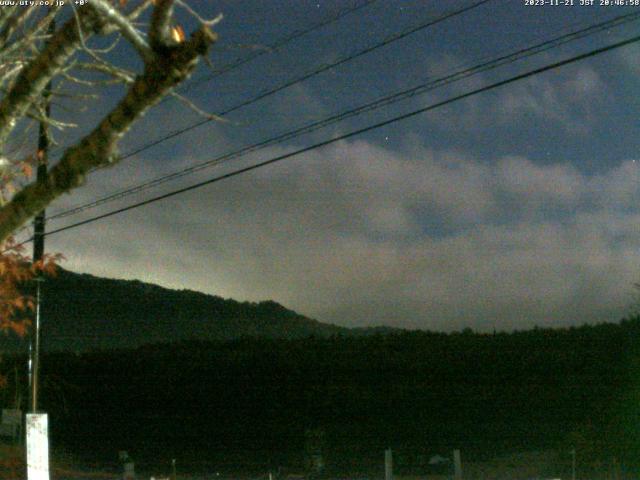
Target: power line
{"type": "Point", "coordinates": [318, 70]}
{"type": "Point", "coordinates": [280, 43]}
{"type": "Point", "coordinates": [383, 101]}
{"type": "Point", "coordinates": [354, 133]}
{"type": "Point", "coordinates": [271, 47]}
{"type": "Point", "coordinates": [392, 38]}
{"type": "Point", "coordinates": [323, 68]}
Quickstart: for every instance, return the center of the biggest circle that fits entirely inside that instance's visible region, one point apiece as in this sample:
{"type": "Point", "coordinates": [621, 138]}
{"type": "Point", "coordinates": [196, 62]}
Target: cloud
{"type": "Point", "coordinates": [568, 100]}
{"type": "Point", "coordinates": [618, 188]}
{"type": "Point", "coordinates": [340, 235]}
{"type": "Point", "coordinates": [630, 58]}
{"type": "Point", "coordinates": [557, 184]}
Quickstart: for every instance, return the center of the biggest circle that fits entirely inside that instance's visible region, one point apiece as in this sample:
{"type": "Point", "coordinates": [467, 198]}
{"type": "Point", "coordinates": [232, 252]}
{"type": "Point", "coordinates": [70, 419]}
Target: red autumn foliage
{"type": "Point", "coordinates": [16, 268]}
{"type": "Point", "coordinates": [16, 271]}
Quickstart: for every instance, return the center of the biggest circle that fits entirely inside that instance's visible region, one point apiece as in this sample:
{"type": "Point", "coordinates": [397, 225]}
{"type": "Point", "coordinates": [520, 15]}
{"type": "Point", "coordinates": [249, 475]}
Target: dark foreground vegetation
{"type": "Point", "coordinates": [250, 401]}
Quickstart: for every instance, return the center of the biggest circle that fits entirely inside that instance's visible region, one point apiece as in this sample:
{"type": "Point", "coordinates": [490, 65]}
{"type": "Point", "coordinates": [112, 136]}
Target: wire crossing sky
{"type": "Point", "coordinates": [505, 198]}
{"type": "Point", "coordinates": [351, 134]}
{"type": "Point", "coordinates": [456, 76]}
{"type": "Point", "coordinates": [307, 75]}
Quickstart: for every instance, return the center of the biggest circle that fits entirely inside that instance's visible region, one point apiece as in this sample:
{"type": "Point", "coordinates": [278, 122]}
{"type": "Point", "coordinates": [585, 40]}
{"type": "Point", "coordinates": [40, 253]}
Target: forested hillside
{"type": "Point", "coordinates": [82, 312]}
{"type": "Point", "coordinates": [486, 394]}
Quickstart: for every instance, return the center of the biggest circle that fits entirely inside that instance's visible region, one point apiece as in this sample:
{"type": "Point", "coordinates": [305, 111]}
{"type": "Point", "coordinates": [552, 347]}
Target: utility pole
{"type": "Point", "coordinates": [37, 424]}
{"type": "Point", "coordinates": [38, 248]}
{"type": "Point", "coordinates": [38, 237]}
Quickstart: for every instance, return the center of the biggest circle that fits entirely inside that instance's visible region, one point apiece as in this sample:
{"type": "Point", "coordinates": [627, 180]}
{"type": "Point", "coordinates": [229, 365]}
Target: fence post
{"type": "Point", "coordinates": [128, 467]}
{"type": "Point", "coordinates": [388, 464]}
{"type": "Point", "coordinates": [457, 465]}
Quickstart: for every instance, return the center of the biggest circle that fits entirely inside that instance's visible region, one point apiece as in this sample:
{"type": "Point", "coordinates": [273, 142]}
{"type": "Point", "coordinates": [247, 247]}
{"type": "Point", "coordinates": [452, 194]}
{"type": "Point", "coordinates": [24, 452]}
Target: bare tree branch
{"type": "Point", "coordinates": [137, 11]}
{"type": "Point", "coordinates": [203, 21]}
{"type": "Point", "coordinates": [118, 74]}
{"type": "Point", "coordinates": [160, 29]}
{"type": "Point", "coordinates": [33, 78]}
{"type": "Point", "coordinates": [126, 28]}
{"type": "Point", "coordinates": [28, 40]}
{"type": "Point", "coordinates": [197, 109]}
{"type": "Point", "coordinates": [14, 22]}
{"type": "Point", "coordinates": [171, 65]}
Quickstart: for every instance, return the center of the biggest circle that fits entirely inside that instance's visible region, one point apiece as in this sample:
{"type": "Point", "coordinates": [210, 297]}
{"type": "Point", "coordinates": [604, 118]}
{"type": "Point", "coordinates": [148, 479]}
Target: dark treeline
{"type": "Point", "coordinates": [485, 394]}
{"type": "Point", "coordinates": [85, 312]}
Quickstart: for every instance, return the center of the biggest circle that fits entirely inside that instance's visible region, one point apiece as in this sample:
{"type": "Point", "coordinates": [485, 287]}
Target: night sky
{"type": "Point", "coordinates": [513, 208]}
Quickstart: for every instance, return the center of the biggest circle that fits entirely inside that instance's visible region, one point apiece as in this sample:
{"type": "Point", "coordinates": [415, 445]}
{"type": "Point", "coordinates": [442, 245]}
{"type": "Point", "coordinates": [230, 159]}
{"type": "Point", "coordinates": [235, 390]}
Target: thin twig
{"type": "Point", "coordinates": [126, 28]}
{"type": "Point", "coordinates": [198, 110]}
{"type": "Point", "coordinates": [209, 23]}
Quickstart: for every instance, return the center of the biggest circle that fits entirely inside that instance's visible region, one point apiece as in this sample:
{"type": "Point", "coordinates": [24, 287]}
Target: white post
{"type": "Point", "coordinates": [457, 465]}
{"type": "Point", "coordinates": [37, 446]}
{"type": "Point", "coordinates": [388, 464]}
{"type": "Point", "coordinates": [129, 470]}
